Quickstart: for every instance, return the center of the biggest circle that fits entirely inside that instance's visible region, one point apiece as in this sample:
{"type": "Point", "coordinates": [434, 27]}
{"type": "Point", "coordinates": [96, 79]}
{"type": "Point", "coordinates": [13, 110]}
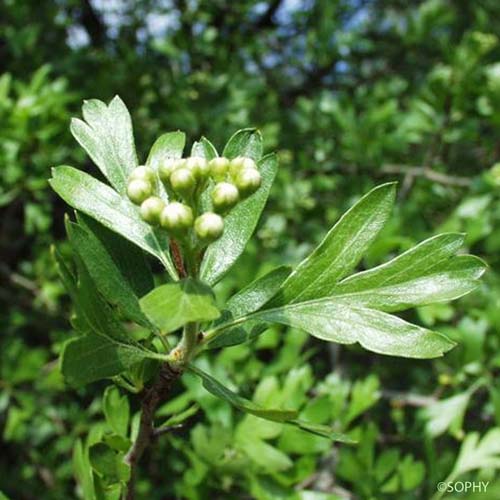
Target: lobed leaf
{"type": "Point", "coordinates": [338, 321]}
{"type": "Point", "coordinates": [341, 249]}
{"type": "Point", "coordinates": [107, 136]}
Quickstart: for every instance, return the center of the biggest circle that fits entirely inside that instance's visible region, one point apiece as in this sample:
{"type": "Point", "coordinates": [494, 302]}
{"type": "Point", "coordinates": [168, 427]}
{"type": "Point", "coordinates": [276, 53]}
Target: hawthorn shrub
{"type": "Point", "coordinates": [195, 216]}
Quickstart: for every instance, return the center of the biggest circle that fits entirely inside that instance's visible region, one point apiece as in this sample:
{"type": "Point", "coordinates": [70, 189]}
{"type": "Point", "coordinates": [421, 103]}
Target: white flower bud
{"type": "Point", "coordinates": [182, 181]}
{"type": "Point", "coordinates": [176, 217]}
{"type": "Point", "coordinates": [224, 196]}
{"type": "Point", "coordinates": [209, 226]}
{"type": "Point", "coordinates": [199, 167]}
{"type": "Point", "coordinates": [167, 166]}
{"type": "Point", "coordinates": [239, 163]}
{"type": "Point", "coordinates": [138, 190]}
{"type": "Point", "coordinates": [151, 209]}
{"type": "Point", "coordinates": [143, 172]}
{"type": "Point", "coordinates": [219, 168]}
{"type": "Point", "coordinates": [248, 181]}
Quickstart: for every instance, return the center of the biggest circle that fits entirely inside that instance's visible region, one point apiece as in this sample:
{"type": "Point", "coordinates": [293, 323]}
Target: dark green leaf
{"type": "Point", "coordinates": [285, 416]}
{"type": "Point", "coordinates": [127, 257]}
{"type": "Point", "coordinates": [239, 226]}
{"type": "Point", "coordinates": [173, 305]}
{"type": "Point", "coordinates": [108, 278]}
{"type": "Point", "coordinates": [92, 357]}
{"type": "Point", "coordinates": [108, 463]}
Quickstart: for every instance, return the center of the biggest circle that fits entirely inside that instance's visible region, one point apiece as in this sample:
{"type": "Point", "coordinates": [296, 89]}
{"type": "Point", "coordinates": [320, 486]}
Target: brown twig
{"type": "Point", "coordinates": [177, 256]}
{"type": "Point", "coordinates": [155, 395]}
{"type": "Point", "coordinates": [427, 173]}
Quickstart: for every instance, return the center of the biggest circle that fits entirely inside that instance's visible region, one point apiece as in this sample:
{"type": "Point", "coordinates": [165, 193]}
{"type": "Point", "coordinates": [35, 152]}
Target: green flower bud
{"type": "Point", "coordinates": [151, 209]}
{"type": "Point", "coordinates": [176, 217]}
{"type": "Point", "coordinates": [199, 167]}
{"type": "Point", "coordinates": [224, 196]}
{"type": "Point", "coordinates": [248, 181]}
{"type": "Point", "coordinates": [166, 167]}
{"type": "Point", "coordinates": [182, 181]}
{"type": "Point", "coordinates": [209, 226]}
{"type": "Point", "coordinates": [240, 163]}
{"type": "Point", "coordinates": [143, 172]}
{"type": "Point", "coordinates": [219, 167]}
{"type": "Point", "coordinates": [138, 190]}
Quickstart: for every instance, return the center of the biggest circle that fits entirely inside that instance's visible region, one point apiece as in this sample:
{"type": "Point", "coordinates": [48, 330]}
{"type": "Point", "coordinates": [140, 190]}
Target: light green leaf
{"type": "Point", "coordinates": [337, 321]}
{"type": "Point", "coordinates": [204, 148]}
{"type": "Point", "coordinates": [102, 203]}
{"type": "Point", "coordinates": [83, 471]}
{"type": "Point", "coordinates": [246, 301]}
{"type": "Point", "coordinates": [257, 293]}
{"type": "Point", "coordinates": [276, 415]}
{"type": "Point", "coordinates": [173, 305]}
{"type": "Point", "coordinates": [428, 273]}
{"type": "Point", "coordinates": [108, 278]}
{"type": "Point", "coordinates": [116, 410]}
{"type": "Point", "coordinates": [476, 454]}
{"type": "Point", "coordinates": [169, 145]}
{"type": "Point", "coordinates": [246, 142]}
{"type": "Point", "coordinates": [341, 250]}
{"type": "Point", "coordinates": [239, 226]}
{"type": "Point", "coordinates": [108, 139]}
{"type": "Point", "coordinates": [89, 358]}
{"type": "Point", "coordinates": [447, 414]}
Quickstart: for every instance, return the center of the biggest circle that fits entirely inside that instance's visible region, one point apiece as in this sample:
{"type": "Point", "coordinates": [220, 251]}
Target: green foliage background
{"type": "Point", "coordinates": [351, 93]}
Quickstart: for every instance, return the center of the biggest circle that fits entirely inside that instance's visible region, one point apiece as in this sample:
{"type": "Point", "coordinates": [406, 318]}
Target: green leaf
{"type": "Point", "coordinates": [108, 278]}
{"type": "Point", "coordinates": [341, 250]}
{"type": "Point", "coordinates": [246, 301]}
{"type": "Point", "coordinates": [239, 226]}
{"type": "Point", "coordinates": [116, 410]}
{"type": "Point", "coordinates": [204, 148]}
{"type": "Point", "coordinates": [107, 137]}
{"type": "Point", "coordinates": [337, 321]}
{"type": "Point", "coordinates": [245, 142]}
{"type": "Point", "coordinates": [426, 274]}
{"type": "Point", "coordinates": [447, 414]}
{"type": "Point", "coordinates": [89, 358]}
{"type": "Point", "coordinates": [108, 463]}
{"type": "Point", "coordinates": [476, 454]}
{"type": "Point", "coordinates": [83, 471]}
{"type": "Point", "coordinates": [173, 305]}
{"type": "Point", "coordinates": [127, 257]}
{"type": "Point", "coordinates": [276, 415]}
{"type": "Point", "coordinates": [169, 145]}
{"type": "Point", "coordinates": [257, 293]}
{"type": "Point", "coordinates": [102, 203]}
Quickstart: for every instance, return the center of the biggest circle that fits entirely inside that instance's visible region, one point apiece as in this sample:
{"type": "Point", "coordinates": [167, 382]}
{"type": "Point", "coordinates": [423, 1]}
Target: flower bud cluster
{"type": "Point", "coordinates": [228, 182]}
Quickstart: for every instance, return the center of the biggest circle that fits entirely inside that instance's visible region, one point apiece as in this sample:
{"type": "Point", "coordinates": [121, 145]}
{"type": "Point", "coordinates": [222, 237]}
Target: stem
{"type": "Point", "coordinates": [152, 398]}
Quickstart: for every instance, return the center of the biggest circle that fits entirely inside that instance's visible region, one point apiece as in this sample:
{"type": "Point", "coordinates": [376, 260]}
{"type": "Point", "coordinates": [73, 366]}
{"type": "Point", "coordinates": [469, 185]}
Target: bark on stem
{"type": "Point", "coordinates": [155, 395]}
